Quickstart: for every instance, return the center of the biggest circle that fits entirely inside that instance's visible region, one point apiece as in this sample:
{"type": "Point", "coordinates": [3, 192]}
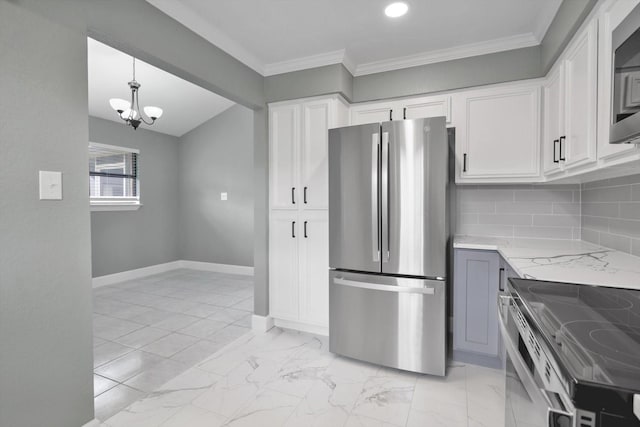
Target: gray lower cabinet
{"type": "Point", "coordinates": [476, 282]}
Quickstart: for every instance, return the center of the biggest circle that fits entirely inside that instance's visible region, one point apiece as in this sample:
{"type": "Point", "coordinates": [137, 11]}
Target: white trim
{"type": "Point", "coordinates": [114, 206]}
{"type": "Point", "coordinates": [110, 279]}
{"type": "Point", "coordinates": [448, 54]}
{"type": "Point", "coordinates": [303, 327]}
{"type": "Point", "coordinates": [137, 273]}
{"type": "Point", "coordinates": [196, 23]}
{"type": "Point", "coordinates": [115, 147]}
{"type": "Point", "coordinates": [312, 61]}
{"type": "Point", "coordinates": [93, 423]}
{"type": "Point", "coordinates": [217, 268]}
{"type": "Point", "coordinates": [261, 323]}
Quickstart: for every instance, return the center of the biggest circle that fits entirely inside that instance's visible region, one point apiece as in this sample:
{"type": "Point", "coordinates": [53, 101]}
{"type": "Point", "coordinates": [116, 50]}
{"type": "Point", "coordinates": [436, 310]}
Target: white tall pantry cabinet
{"type": "Point", "coordinates": [299, 201]}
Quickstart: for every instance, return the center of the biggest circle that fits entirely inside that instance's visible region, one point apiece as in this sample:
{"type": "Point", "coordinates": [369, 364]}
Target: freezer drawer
{"type": "Point", "coordinates": [392, 321]}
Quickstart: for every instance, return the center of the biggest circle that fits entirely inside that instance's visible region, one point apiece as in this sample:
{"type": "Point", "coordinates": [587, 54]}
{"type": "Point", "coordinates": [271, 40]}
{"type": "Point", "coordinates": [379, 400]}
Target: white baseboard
{"type": "Point", "coordinates": [92, 423]}
{"type": "Point", "coordinates": [217, 268]}
{"type": "Point", "coordinates": [303, 327]}
{"type": "Point", "coordinates": [261, 323]}
{"type": "Point", "coordinates": [138, 273]}
{"type": "Point", "coordinates": [110, 279]}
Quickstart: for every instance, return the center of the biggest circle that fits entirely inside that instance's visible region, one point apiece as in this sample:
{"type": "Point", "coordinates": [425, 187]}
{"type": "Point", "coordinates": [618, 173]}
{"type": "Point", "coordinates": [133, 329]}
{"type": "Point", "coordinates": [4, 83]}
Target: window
{"type": "Point", "coordinates": [113, 177]}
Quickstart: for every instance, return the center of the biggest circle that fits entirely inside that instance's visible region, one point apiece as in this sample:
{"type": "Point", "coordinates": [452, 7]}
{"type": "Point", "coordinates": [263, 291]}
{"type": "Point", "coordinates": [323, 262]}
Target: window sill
{"type": "Point", "coordinates": [114, 206]}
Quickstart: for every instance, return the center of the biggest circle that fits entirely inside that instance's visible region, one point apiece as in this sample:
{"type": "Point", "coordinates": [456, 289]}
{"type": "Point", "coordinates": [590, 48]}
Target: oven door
{"type": "Point", "coordinates": [527, 403]}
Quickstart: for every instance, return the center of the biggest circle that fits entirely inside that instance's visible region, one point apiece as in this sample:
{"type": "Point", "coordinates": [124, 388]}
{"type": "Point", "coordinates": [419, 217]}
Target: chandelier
{"type": "Point", "coordinates": [130, 111]}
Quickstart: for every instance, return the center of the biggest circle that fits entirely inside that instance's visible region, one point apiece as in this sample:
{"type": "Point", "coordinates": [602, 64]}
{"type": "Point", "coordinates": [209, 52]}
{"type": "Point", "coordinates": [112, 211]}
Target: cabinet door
{"type": "Point", "coordinates": [284, 128]}
{"type": "Point", "coordinates": [499, 137]}
{"type": "Point", "coordinates": [314, 155]}
{"type": "Point", "coordinates": [284, 235]}
{"type": "Point", "coordinates": [314, 268]}
{"type": "Point", "coordinates": [425, 107]}
{"type": "Point", "coordinates": [475, 293]}
{"type": "Point", "coordinates": [581, 99]}
{"type": "Point", "coordinates": [373, 113]}
{"type": "Point", "coordinates": [553, 112]}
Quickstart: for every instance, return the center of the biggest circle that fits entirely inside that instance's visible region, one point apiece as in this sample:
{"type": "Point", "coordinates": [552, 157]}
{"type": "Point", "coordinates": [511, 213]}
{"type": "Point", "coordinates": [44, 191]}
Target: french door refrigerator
{"type": "Point", "coordinates": [388, 236]}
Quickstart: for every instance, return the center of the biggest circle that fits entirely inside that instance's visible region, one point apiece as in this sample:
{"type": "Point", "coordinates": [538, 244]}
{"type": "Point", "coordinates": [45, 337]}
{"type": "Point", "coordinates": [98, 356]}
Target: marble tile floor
{"type": "Point", "coordinates": [286, 378]}
{"type": "Point", "coordinates": [150, 330]}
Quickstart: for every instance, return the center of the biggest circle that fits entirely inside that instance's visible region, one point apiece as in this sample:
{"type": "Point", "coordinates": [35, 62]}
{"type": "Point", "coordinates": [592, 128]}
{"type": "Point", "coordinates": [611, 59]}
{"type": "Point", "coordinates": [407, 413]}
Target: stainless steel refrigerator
{"type": "Point", "coordinates": [388, 237]}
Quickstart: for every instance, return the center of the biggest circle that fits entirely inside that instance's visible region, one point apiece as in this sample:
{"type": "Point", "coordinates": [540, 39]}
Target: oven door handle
{"type": "Point", "coordinates": [521, 368]}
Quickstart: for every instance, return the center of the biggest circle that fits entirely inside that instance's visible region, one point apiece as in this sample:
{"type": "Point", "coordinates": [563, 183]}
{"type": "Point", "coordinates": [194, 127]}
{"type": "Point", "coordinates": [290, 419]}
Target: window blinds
{"type": "Point", "coordinates": [113, 172]}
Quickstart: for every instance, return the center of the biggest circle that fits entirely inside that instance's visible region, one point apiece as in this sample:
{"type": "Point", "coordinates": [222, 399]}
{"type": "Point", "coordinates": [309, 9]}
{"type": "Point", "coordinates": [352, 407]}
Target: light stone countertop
{"type": "Point", "coordinates": [573, 261]}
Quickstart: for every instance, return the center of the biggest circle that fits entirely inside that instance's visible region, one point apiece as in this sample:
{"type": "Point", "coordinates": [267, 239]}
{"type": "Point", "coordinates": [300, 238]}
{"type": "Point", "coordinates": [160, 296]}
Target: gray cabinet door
{"type": "Point", "coordinates": [475, 293]}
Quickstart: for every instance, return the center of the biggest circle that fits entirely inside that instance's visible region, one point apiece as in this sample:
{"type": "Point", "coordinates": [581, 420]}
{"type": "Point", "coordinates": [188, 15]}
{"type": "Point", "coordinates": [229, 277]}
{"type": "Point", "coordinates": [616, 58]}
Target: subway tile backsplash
{"type": "Point", "coordinates": [529, 211]}
{"type": "Point", "coordinates": [611, 213]}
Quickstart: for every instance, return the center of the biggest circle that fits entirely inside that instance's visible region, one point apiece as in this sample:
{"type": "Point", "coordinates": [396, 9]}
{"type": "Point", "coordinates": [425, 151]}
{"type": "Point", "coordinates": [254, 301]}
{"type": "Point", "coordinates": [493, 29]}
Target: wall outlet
{"type": "Point", "coordinates": [223, 196]}
{"type": "Point", "coordinates": [50, 185]}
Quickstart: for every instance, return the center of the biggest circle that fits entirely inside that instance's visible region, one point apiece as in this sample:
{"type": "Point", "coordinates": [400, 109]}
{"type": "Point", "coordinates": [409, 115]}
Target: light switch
{"type": "Point", "coordinates": [50, 185]}
{"type": "Point", "coordinates": [223, 196]}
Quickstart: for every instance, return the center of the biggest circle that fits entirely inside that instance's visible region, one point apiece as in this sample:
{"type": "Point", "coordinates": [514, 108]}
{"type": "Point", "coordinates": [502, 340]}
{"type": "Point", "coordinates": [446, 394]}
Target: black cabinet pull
{"type": "Point", "coordinates": [404, 113]}
{"type": "Point", "coordinates": [390, 115]}
{"type": "Point", "coordinates": [464, 162]}
{"type": "Point", "coordinates": [305, 195]}
{"type": "Point", "coordinates": [293, 229]}
{"type": "Point", "coordinates": [555, 146]}
{"type": "Point", "coordinates": [562, 151]}
{"type": "Point", "coordinates": [500, 283]}
{"type": "Point", "coordinates": [305, 229]}
{"type": "Point", "coordinates": [293, 195]}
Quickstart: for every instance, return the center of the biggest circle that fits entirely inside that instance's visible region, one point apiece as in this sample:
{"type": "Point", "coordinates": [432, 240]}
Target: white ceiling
{"type": "Point", "coordinates": [185, 105]}
{"type": "Point", "coordinates": [275, 36]}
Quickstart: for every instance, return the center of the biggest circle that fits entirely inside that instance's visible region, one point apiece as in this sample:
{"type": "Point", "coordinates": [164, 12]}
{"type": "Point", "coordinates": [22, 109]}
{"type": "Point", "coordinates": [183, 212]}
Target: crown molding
{"type": "Point", "coordinates": [311, 61]}
{"type": "Point", "coordinates": [441, 55]}
{"type": "Point", "coordinates": [190, 19]}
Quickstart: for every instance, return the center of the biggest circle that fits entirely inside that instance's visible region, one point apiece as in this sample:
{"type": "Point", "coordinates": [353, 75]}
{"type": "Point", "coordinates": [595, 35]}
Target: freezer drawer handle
{"type": "Point", "coordinates": [427, 290]}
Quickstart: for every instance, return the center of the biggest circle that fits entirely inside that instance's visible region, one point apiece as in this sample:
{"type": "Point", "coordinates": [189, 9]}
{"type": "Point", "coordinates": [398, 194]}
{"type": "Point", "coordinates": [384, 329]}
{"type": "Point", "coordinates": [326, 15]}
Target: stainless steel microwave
{"type": "Point", "coordinates": [625, 102]}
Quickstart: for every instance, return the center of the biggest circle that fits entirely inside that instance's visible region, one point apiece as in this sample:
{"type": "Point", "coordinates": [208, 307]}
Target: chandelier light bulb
{"type": "Point", "coordinates": [129, 114]}
{"type": "Point", "coordinates": [153, 112]}
{"type": "Point", "coordinates": [119, 105]}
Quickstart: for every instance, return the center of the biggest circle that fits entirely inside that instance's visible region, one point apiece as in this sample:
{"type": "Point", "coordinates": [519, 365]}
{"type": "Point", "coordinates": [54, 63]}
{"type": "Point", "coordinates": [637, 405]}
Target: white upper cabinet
{"type": "Point", "coordinates": [610, 154]}
{"type": "Point", "coordinates": [498, 134]}
{"type": "Point", "coordinates": [372, 113]}
{"type": "Point", "coordinates": [298, 153]}
{"type": "Point", "coordinates": [578, 142]}
{"type": "Point", "coordinates": [553, 118]}
{"type": "Point", "coordinates": [403, 109]}
{"type": "Point", "coordinates": [417, 108]}
{"type": "Point", "coordinates": [284, 129]}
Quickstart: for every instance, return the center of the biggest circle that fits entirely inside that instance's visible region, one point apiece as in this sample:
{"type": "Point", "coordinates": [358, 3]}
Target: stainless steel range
{"type": "Point", "coordinates": [573, 354]}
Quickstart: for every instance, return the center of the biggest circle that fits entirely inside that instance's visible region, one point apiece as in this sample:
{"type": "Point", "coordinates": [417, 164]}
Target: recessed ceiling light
{"type": "Point", "coordinates": [395, 10]}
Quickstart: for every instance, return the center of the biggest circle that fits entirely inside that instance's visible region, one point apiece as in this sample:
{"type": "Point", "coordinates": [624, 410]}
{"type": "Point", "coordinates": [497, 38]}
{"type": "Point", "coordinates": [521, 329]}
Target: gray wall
{"type": "Point", "coordinates": [260, 213]}
{"type": "Point", "coordinates": [611, 213]}
{"type": "Point", "coordinates": [527, 211]}
{"type": "Point", "coordinates": [217, 157]}
{"type": "Point", "coordinates": [498, 67]}
{"type": "Point", "coordinates": [45, 265]}
{"type": "Point", "coordinates": [126, 240]}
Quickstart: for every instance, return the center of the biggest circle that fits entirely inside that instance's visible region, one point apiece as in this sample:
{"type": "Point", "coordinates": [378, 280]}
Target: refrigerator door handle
{"type": "Point", "coordinates": [386, 251]}
{"type": "Point", "coordinates": [375, 205]}
{"type": "Point", "coordinates": [426, 290]}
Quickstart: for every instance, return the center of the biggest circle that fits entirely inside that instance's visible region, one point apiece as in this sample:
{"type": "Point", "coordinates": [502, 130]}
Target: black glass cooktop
{"type": "Point", "coordinates": [595, 331]}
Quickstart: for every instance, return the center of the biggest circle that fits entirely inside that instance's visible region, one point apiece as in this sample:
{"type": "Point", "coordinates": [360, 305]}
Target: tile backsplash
{"type": "Point", "coordinates": [611, 213]}
{"type": "Point", "coordinates": [528, 211]}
